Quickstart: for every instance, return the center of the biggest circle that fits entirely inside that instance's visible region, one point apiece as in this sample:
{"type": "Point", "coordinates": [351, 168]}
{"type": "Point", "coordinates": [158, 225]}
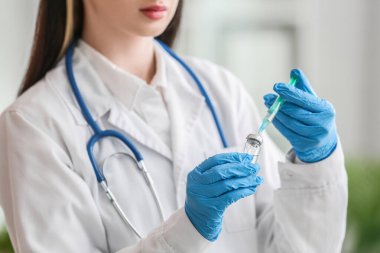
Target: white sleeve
{"type": "Point", "coordinates": [49, 208]}
{"type": "Point", "coordinates": [176, 235]}
{"type": "Point", "coordinates": [308, 213]}
{"type": "Point", "coordinates": [300, 207]}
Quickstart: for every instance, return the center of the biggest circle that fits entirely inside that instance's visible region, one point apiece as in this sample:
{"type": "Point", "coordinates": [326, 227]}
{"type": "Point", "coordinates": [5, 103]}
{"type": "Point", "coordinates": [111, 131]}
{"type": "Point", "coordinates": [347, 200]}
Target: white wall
{"type": "Point", "coordinates": [334, 41]}
{"type": "Point", "coordinates": [16, 29]}
{"type": "Point", "coordinates": [348, 70]}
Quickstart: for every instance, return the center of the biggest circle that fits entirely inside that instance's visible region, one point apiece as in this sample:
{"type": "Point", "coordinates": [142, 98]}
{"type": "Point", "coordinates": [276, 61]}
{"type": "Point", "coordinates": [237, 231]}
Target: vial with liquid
{"type": "Point", "coordinates": [252, 146]}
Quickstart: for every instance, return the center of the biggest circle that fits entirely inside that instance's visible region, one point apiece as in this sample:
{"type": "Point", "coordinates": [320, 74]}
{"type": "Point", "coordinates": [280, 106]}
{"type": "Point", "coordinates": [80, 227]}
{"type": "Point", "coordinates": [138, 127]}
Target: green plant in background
{"type": "Point", "coordinates": [363, 221]}
{"type": "Point", "coordinates": [5, 243]}
{"type": "Point", "coordinates": [363, 228]}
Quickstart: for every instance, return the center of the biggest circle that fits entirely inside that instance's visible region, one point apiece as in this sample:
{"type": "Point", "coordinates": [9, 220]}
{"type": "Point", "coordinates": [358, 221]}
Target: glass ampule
{"type": "Point", "coordinates": [252, 146]}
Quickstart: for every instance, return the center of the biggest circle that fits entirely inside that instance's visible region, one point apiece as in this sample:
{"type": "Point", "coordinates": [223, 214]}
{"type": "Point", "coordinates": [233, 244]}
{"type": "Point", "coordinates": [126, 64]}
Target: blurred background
{"type": "Point", "coordinates": [335, 42]}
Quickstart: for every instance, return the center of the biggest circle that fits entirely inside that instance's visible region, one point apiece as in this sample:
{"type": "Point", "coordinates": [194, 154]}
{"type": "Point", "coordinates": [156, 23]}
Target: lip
{"type": "Point", "coordinates": [154, 12]}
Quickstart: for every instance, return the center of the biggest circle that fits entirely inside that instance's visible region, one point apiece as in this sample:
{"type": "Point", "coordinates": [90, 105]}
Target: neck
{"type": "Point", "coordinates": [134, 54]}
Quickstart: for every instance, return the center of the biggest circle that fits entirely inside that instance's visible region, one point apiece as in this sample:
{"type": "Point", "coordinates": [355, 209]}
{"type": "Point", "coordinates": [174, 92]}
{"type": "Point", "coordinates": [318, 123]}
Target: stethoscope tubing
{"type": "Point", "coordinates": [201, 89]}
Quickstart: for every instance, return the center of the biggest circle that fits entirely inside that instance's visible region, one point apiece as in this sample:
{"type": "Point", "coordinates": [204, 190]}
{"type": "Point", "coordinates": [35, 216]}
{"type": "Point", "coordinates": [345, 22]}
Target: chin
{"type": "Point", "coordinates": [152, 31]}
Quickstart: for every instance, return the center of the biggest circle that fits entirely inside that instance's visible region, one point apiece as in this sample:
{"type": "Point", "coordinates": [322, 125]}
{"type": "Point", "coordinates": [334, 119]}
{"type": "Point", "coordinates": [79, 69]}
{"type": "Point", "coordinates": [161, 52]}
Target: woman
{"type": "Point", "coordinates": [50, 194]}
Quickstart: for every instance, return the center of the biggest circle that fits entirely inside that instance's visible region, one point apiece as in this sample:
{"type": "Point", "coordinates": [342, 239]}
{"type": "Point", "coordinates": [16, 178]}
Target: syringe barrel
{"type": "Point", "coordinates": [273, 110]}
{"type": "Point", "coordinates": [276, 105]}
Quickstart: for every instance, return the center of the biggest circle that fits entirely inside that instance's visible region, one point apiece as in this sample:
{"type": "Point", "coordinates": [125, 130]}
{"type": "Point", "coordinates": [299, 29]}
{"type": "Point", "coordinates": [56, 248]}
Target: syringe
{"type": "Point", "coordinates": [273, 110]}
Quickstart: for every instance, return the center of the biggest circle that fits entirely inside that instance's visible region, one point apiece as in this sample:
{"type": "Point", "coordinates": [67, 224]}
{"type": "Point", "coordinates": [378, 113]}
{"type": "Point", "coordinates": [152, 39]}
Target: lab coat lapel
{"type": "Point", "coordinates": [131, 124]}
{"type": "Point", "coordinates": [185, 106]}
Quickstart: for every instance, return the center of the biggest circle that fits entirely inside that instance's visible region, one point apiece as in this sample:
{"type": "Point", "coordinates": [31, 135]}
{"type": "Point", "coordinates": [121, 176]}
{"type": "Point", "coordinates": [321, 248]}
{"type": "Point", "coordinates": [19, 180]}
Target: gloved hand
{"type": "Point", "coordinates": [307, 121]}
{"type": "Point", "coordinates": [215, 184]}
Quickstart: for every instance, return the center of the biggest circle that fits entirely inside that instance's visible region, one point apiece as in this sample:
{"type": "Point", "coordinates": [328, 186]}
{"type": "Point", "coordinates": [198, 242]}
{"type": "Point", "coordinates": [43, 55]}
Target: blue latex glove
{"type": "Point", "coordinates": [307, 121]}
{"type": "Point", "coordinates": [215, 184]}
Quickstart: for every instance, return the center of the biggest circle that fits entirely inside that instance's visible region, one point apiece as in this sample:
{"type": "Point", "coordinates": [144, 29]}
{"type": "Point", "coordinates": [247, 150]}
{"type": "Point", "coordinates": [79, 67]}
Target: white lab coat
{"type": "Point", "coordinates": [53, 203]}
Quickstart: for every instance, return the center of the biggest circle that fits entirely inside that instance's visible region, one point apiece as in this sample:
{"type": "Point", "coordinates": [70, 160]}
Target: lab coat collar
{"type": "Point", "coordinates": [97, 94]}
{"type": "Point", "coordinates": [123, 84]}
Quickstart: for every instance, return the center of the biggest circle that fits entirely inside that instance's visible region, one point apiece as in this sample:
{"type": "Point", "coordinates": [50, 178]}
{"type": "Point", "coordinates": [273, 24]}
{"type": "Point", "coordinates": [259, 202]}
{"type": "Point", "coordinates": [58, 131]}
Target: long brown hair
{"type": "Point", "coordinates": [59, 22]}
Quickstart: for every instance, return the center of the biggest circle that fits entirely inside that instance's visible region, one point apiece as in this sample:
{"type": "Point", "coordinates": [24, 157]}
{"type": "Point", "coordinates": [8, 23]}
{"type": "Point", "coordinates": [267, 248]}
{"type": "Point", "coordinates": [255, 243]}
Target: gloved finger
{"type": "Point", "coordinates": [296, 139]}
{"type": "Point", "coordinates": [307, 117]}
{"type": "Point", "coordinates": [218, 188]}
{"type": "Point", "coordinates": [301, 98]}
{"type": "Point", "coordinates": [269, 99]}
{"type": "Point", "coordinates": [299, 127]}
{"type": "Point", "coordinates": [302, 82]}
{"type": "Point", "coordinates": [225, 171]}
{"type": "Point", "coordinates": [232, 196]}
{"type": "Point", "coordinates": [289, 107]}
{"type": "Point", "coordinates": [304, 116]}
{"type": "Point", "coordinates": [223, 158]}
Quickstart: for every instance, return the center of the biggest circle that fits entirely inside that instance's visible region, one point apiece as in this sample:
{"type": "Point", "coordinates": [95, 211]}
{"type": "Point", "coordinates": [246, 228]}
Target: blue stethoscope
{"type": "Point", "coordinates": [100, 134]}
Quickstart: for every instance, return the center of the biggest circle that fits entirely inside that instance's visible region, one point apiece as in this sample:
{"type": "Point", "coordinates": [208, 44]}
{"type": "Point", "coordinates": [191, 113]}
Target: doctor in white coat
{"type": "Point", "coordinates": [50, 194]}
